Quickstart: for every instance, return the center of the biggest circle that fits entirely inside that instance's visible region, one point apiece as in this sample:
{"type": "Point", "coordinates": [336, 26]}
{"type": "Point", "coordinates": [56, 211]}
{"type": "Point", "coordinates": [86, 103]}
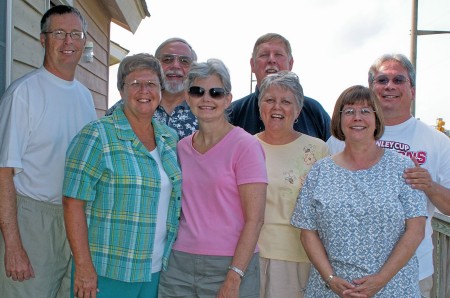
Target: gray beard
{"type": "Point", "coordinates": [174, 88]}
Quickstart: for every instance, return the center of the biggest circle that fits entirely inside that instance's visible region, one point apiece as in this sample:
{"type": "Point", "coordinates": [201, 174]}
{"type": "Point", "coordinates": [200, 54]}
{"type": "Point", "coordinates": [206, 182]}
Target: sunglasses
{"type": "Point", "coordinates": [384, 80]}
{"type": "Point", "coordinates": [216, 93]}
{"type": "Point", "coordinates": [169, 59]}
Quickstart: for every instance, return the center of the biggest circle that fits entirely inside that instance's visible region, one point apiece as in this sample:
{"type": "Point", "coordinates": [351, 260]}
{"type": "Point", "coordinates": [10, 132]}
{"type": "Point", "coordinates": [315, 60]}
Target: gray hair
{"type": "Point", "coordinates": [206, 69]}
{"type": "Point", "coordinates": [285, 79]}
{"type": "Point", "coordinates": [400, 58]}
{"type": "Point", "coordinates": [140, 61]}
{"type": "Point", "coordinates": [270, 37]}
{"type": "Point", "coordinates": [172, 40]}
{"type": "Point", "coordinates": [60, 10]}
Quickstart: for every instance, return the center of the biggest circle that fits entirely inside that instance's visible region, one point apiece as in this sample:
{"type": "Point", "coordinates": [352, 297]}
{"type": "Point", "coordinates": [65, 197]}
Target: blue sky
{"type": "Point", "coordinates": [334, 42]}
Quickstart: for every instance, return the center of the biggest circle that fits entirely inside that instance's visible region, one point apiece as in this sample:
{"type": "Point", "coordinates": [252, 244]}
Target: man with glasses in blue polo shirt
{"type": "Point", "coordinates": [40, 113]}
{"type": "Point", "coordinates": [176, 56]}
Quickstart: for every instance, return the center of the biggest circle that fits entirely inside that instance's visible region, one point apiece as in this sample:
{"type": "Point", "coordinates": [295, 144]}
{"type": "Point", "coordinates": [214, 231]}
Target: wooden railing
{"type": "Point", "coordinates": [441, 241]}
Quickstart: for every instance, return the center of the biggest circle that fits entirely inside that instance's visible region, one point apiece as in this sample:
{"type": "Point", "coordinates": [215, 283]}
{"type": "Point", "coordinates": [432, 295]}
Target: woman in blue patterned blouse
{"type": "Point", "coordinates": [122, 191]}
{"type": "Point", "coordinates": [360, 222]}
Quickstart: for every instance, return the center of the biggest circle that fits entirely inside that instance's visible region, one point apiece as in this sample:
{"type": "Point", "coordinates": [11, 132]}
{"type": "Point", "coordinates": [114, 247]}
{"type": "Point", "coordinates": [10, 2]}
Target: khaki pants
{"type": "Point", "coordinates": [280, 279]}
{"type": "Point", "coordinates": [426, 285]}
{"type": "Point", "coordinates": [43, 234]}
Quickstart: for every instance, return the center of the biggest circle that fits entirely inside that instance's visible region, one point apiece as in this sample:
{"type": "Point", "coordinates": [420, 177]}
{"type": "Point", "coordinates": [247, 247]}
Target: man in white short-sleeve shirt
{"type": "Point", "coordinates": [40, 113]}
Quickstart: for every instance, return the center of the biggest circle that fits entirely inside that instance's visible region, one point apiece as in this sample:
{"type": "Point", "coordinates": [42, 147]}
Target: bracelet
{"type": "Point", "coordinates": [327, 282]}
{"type": "Point", "coordinates": [237, 270]}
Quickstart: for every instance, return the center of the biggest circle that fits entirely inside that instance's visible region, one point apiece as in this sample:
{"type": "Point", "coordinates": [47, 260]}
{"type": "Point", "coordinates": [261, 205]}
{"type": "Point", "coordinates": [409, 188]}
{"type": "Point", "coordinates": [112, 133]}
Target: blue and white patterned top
{"type": "Point", "coordinates": [360, 216]}
{"type": "Point", "coordinates": [181, 119]}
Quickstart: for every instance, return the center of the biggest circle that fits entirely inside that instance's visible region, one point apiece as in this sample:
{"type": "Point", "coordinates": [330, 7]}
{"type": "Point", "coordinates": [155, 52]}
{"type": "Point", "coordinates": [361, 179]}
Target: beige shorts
{"type": "Point", "coordinates": [44, 238]}
{"type": "Point", "coordinates": [190, 276]}
{"type": "Point", "coordinates": [280, 279]}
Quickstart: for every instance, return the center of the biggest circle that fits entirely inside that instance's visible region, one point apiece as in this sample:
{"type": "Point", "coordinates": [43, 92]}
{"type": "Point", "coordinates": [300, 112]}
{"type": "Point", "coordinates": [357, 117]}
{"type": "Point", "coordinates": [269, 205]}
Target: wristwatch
{"type": "Point", "coordinates": [327, 281]}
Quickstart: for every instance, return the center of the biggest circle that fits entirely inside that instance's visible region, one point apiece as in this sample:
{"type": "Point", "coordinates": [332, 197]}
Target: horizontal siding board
{"type": "Point", "coordinates": [95, 75]}
{"type": "Point", "coordinates": [91, 81]}
{"type": "Point", "coordinates": [26, 49]}
{"type": "Point", "coordinates": [26, 18]}
{"type": "Point", "coordinates": [19, 70]}
{"type": "Point", "coordinates": [38, 5]}
{"type": "Point", "coordinates": [100, 101]}
{"type": "Point", "coordinates": [97, 22]}
{"type": "Point", "coordinates": [27, 52]}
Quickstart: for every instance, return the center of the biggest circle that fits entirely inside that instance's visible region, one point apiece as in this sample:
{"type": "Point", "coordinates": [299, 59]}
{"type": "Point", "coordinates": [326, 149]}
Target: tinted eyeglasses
{"type": "Point", "coordinates": [384, 80]}
{"type": "Point", "coordinates": [216, 93]}
{"type": "Point", "coordinates": [169, 59]}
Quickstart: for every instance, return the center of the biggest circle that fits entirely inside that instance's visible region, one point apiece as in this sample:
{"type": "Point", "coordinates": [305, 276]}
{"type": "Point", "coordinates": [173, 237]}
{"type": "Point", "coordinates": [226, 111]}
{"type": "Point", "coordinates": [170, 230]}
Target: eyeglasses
{"type": "Point", "coordinates": [384, 80]}
{"type": "Point", "coordinates": [215, 93]}
{"type": "Point", "coordinates": [350, 112]}
{"type": "Point", "coordinates": [169, 59]}
{"type": "Point", "coordinates": [60, 34]}
{"type": "Point", "coordinates": [138, 85]}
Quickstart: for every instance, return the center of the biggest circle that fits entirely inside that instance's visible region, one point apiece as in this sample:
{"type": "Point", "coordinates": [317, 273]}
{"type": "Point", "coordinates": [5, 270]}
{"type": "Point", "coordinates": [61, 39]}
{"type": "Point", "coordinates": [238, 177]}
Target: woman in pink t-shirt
{"type": "Point", "coordinates": [223, 191]}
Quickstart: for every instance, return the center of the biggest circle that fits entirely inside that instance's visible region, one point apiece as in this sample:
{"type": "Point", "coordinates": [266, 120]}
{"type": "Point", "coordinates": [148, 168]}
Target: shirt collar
{"type": "Point", "coordinates": [124, 130]}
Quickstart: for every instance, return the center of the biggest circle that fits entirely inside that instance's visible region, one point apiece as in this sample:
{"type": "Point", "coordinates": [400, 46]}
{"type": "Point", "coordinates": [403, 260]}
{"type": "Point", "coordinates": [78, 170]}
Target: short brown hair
{"type": "Point", "coordinates": [271, 37]}
{"type": "Point", "coordinates": [354, 95]}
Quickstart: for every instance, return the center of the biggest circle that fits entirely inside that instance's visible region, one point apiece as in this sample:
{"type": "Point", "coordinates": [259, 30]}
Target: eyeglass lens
{"type": "Point", "coordinates": [137, 85]}
{"type": "Point", "coordinates": [352, 111]}
{"type": "Point", "coordinates": [384, 80]}
{"type": "Point", "coordinates": [59, 34]}
{"type": "Point", "coordinates": [169, 59]}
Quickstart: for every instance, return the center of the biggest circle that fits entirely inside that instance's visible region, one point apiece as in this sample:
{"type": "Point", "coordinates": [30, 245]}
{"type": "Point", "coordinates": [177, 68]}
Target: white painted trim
{"type": "Point", "coordinates": [8, 40]}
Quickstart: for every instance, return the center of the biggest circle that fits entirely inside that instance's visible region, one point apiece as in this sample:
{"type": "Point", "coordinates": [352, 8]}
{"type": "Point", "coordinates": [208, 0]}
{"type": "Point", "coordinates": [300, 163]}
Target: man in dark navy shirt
{"type": "Point", "coordinates": [271, 54]}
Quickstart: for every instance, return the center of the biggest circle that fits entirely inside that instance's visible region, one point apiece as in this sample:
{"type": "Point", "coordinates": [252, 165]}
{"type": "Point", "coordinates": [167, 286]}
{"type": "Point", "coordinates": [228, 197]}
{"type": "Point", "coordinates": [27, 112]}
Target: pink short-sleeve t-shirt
{"type": "Point", "coordinates": [212, 216]}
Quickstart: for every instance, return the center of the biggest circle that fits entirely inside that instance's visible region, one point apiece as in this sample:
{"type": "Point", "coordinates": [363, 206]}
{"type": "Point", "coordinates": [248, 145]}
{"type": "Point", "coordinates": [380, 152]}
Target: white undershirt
{"type": "Point", "coordinates": [163, 207]}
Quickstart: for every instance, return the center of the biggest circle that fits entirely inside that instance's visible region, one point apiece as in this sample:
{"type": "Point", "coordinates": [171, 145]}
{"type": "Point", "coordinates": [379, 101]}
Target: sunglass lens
{"type": "Point", "coordinates": [196, 91]}
{"type": "Point", "coordinates": [216, 92]}
{"type": "Point", "coordinates": [398, 80]}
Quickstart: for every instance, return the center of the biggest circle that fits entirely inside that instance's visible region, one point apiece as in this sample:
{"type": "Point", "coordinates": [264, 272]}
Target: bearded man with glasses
{"type": "Point", "coordinates": [40, 113]}
{"type": "Point", "coordinates": [392, 78]}
{"type": "Point", "coordinates": [176, 56]}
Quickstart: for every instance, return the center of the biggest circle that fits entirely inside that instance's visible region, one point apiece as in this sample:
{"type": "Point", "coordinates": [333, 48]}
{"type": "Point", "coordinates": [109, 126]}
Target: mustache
{"type": "Point", "coordinates": [174, 72]}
